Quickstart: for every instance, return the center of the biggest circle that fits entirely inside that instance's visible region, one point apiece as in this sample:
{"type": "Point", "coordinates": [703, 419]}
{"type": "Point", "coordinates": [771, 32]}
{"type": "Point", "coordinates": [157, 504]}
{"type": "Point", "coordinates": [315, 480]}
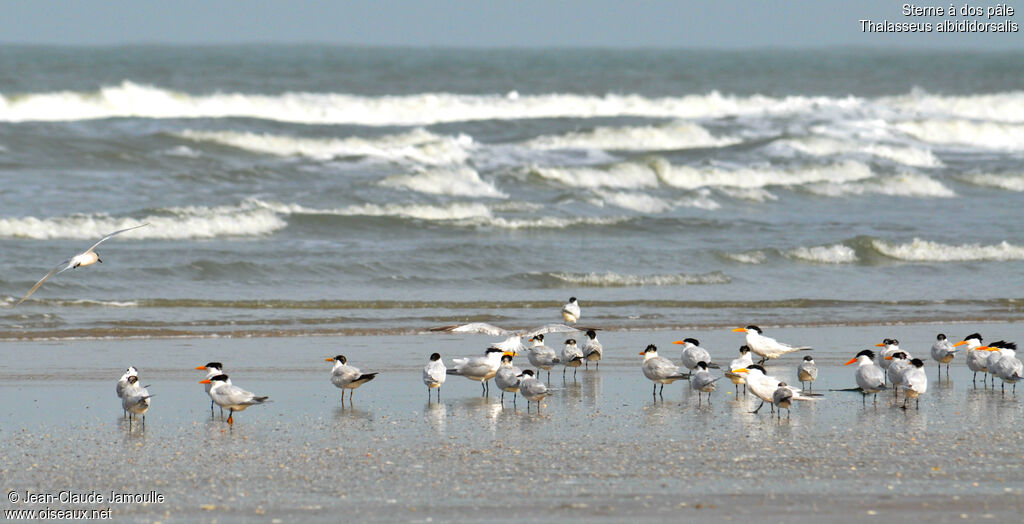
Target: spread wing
{"type": "Point", "coordinates": [548, 328]}
{"type": "Point", "coordinates": [58, 269]}
{"type": "Point", "coordinates": [118, 232]}
{"type": "Point", "coordinates": [475, 327]}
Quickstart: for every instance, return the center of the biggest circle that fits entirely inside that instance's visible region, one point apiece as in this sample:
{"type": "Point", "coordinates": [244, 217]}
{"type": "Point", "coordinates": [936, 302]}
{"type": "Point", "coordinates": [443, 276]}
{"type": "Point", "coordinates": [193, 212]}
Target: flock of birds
{"type": "Point", "coordinates": [891, 367]}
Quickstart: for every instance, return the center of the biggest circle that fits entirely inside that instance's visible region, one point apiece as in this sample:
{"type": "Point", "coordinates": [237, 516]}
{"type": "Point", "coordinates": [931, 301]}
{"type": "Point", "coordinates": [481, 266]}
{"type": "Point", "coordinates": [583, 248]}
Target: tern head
{"type": "Point", "coordinates": [899, 355]}
{"type": "Point", "coordinates": [749, 329]}
{"type": "Point", "coordinates": [650, 350]}
{"type": "Point", "coordinates": [526, 373]}
{"type": "Point", "coordinates": [572, 300]}
{"type": "Point", "coordinates": [492, 350]}
{"type": "Point", "coordinates": [435, 357]}
{"type": "Point", "coordinates": [918, 363]}
{"type": "Point", "coordinates": [506, 359]}
{"type": "Point", "coordinates": [338, 358]}
{"type": "Point", "coordinates": [570, 342]}
{"type": "Point", "coordinates": [782, 384]}
{"type": "Point", "coordinates": [537, 339]}
{"type": "Point", "coordinates": [744, 349]}
{"type": "Point", "coordinates": [692, 341]}
{"type": "Point", "coordinates": [703, 365]}
{"type": "Point", "coordinates": [809, 358]}
{"type": "Point", "coordinates": [218, 378]}
{"type": "Point", "coordinates": [969, 338]}
{"type": "Point", "coordinates": [941, 336]}
{"type": "Point", "coordinates": [757, 367]}
{"type": "Point", "coordinates": [211, 365]}
{"type": "Point", "coordinates": [865, 353]}
{"type": "Point", "coordinates": [591, 334]}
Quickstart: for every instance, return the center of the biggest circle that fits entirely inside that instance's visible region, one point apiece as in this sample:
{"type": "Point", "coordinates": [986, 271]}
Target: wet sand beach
{"type": "Point", "coordinates": [600, 449]}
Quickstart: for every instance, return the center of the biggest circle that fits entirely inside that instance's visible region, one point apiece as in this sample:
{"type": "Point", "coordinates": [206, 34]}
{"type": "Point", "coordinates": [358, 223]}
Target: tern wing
{"type": "Point", "coordinates": [475, 327]}
{"type": "Point", "coordinates": [54, 271]}
{"type": "Point", "coordinates": [548, 328]}
{"type": "Point", "coordinates": [118, 232]}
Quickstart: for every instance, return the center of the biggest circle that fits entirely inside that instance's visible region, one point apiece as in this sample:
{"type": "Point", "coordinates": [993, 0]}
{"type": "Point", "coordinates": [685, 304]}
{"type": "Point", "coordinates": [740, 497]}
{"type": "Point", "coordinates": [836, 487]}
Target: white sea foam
{"type": "Point", "coordinates": [172, 223]}
{"type": "Point", "coordinates": [753, 194]}
{"type": "Point", "coordinates": [542, 222]}
{"type": "Point", "coordinates": [823, 146]}
{"type": "Point", "coordinates": [640, 202]}
{"type": "Point", "coordinates": [610, 279]}
{"type": "Point", "coordinates": [417, 145]}
{"type": "Point", "coordinates": [991, 135]}
{"type": "Point", "coordinates": [456, 181]}
{"type": "Point", "coordinates": [182, 152]}
{"type": "Point", "coordinates": [903, 185]}
{"type": "Point", "coordinates": [1006, 107]}
{"type": "Point", "coordinates": [687, 177]}
{"type": "Point", "coordinates": [834, 254]}
{"type": "Point", "coordinates": [1008, 181]}
{"type": "Point", "coordinates": [926, 251]}
{"type": "Point", "coordinates": [130, 99]}
{"type": "Point", "coordinates": [748, 257]}
{"type": "Point", "coordinates": [677, 135]}
{"type": "Point", "coordinates": [627, 175]}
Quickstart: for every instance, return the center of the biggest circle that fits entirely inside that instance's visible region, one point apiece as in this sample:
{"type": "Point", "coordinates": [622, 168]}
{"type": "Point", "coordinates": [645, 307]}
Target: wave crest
{"type": "Point", "coordinates": [611, 279]}
{"type": "Point", "coordinates": [926, 251]}
{"type": "Point", "coordinates": [677, 135]}
{"type": "Point", "coordinates": [459, 181]}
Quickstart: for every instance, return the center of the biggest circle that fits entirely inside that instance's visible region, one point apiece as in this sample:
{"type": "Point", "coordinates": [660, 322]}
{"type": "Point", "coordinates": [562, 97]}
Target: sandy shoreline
{"type": "Point", "coordinates": [602, 449]}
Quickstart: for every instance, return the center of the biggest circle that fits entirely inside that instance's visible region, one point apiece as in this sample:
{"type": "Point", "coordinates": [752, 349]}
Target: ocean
{"type": "Point", "coordinates": [319, 190]}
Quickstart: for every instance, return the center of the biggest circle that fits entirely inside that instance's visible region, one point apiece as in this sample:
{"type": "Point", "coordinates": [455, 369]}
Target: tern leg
{"type": "Point", "coordinates": [483, 389]}
{"type": "Point", "coordinates": [744, 389]}
{"type": "Point", "coordinates": [563, 372]}
{"type": "Point", "coordinates": [143, 421]}
{"type": "Point", "coordinates": [514, 398]}
{"type": "Point", "coordinates": [574, 374]}
{"type": "Point", "coordinates": [758, 407]}
{"type": "Point", "coordinates": [661, 392]}
{"type": "Point", "coordinates": [231, 416]}
{"type": "Point", "coordinates": [503, 397]}
{"type": "Point", "coordinates": [864, 399]}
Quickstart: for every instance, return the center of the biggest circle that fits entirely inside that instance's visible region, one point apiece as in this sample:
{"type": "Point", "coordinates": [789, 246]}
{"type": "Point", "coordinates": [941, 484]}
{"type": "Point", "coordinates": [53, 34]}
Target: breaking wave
{"type": "Point", "coordinates": [926, 251]}
{"type": "Point", "coordinates": [457, 181]}
{"type": "Point", "coordinates": [677, 135]}
{"type": "Point", "coordinates": [611, 279]}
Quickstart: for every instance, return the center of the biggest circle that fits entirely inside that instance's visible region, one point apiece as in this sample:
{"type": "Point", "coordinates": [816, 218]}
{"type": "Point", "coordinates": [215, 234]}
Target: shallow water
{"type": "Point", "coordinates": [600, 448]}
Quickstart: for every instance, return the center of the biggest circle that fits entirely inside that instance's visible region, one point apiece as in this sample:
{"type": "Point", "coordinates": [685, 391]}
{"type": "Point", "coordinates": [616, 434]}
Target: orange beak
{"type": "Point", "coordinates": [200, 367]}
{"type": "Point", "coordinates": [642, 353]}
{"type": "Point", "coordinates": [510, 353]}
{"type": "Point", "coordinates": [740, 330]}
{"type": "Point", "coordinates": [679, 342]}
{"type": "Point", "coordinates": [207, 381]}
{"type": "Point", "coordinates": [962, 342]}
{"type": "Point", "coordinates": [888, 358]}
{"type": "Point", "coordinates": [986, 348]}
{"type": "Point", "coordinates": [880, 345]}
{"type": "Point", "coordinates": [329, 360]}
{"type": "Point", "coordinates": [741, 370]}
{"type": "Point", "coordinates": [852, 360]}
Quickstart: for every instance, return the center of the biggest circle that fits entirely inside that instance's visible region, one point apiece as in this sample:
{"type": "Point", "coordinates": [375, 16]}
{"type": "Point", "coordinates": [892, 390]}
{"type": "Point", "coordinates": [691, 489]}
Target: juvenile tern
{"type": "Point", "coordinates": [532, 389]}
{"type": "Point", "coordinates": [807, 372]}
{"type": "Point", "coordinates": [693, 353]}
{"type": "Point", "coordinates": [660, 370]}
{"type": "Point", "coordinates": [123, 383]}
{"type": "Point", "coordinates": [782, 397]}
{"type": "Point", "coordinates": [744, 361]}
{"type": "Point", "coordinates": [507, 378]}
{"type": "Point", "coordinates": [212, 370]}
{"type": "Point", "coordinates": [480, 369]}
{"type": "Point", "coordinates": [943, 352]}
{"type": "Point", "coordinates": [86, 258]}
{"type": "Point", "coordinates": [513, 338]}
{"type": "Point", "coordinates": [914, 382]}
{"type": "Point", "coordinates": [347, 377]}
{"type": "Point", "coordinates": [870, 377]}
{"type": "Point", "coordinates": [572, 357]}
{"type": "Point", "coordinates": [702, 381]}
{"type": "Point", "coordinates": [571, 311]}
{"type": "Point", "coordinates": [767, 347]}
{"type": "Point", "coordinates": [976, 360]}
{"type": "Point", "coordinates": [541, 356]}
{"type": "Point", "coordinates": [898, 363]}
{"type": "Point", "coordinates": [434, 375]}
{"type": "Point", "coordinates": [135, 400]}
{"type": "Point", "coordinates": [592, 349]}
{"type": "Point", "coordinates": [228, 395]}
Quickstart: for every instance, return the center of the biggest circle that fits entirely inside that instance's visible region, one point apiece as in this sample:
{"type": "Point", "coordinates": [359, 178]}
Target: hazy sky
{"type": "Point", "coordinates": [482, 23]}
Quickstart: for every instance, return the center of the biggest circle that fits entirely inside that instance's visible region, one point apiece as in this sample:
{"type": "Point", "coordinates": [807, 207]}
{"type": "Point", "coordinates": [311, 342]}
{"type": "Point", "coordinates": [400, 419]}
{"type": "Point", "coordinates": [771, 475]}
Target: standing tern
{"type": "Point", "coordinates": [1008, 368]}
{"type": "Point", "coordinates": [782, 397]}
{"type": "Point", "coordinates": [434, 374]}
{"type": "Point", "coordinates": [592, 349]}
{"type": "Point", "coordinates": [572, 357]}
{"type": "Point", "coordinates": [767, 347]}
{"type": "Point", "coordinates": [135, 400]}
{"type": "Point", "coordinates": [513, 338]}
{"type": "Point", "coordinates": [702, 381]}
{"type": "Point", "coordinates": [532, 389]}
{"type": "Point", "coordinates": [212, 370]}
{"type": "Point", "coordinates": [480, 369]}
{"type": "Point", "coordinates": [228, 395]}
{"type": "Point", "coordinates": [870, 377]}
{"type": "Point", "coordinates": [660, 370]}
{"type": "Point", "coordinates": [507, 378]}
{"type": "Point", "coordinates": [807, 372]}
{"type": "Point", "coordinates": [889, 347]}
{"type": "Point", "coordinates": [541, 356]}
{"type": "Point", "coordinates": [693, 353]}
{"type": "Point", "coordinates": [86, 258]}
{"type": "Point", "coordinates": [975, 359]}
{"type": "Point", "coordinates": [764, 386]}
{"type": "Point", "coordinates": [898, 362]}
{"type": "Point", "coordinates": [744, 361]}
{"type": "Point", "coordinates": [943, 352]}
{"type": "Point", "coordinates": [914, 382]}
{"type": "Point", "coordinates": [347, 377]}
{"type": "Point", "coordinates": [123, 383]}
{"type": "Point", "coordinates": [994, 355]}
{"type": "Point", "coordinates": [571, 311]}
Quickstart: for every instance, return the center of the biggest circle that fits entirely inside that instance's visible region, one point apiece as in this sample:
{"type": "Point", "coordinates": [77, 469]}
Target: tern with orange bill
{"type": "Point", "coordinates": [212, 370]}
{"type": "Point", "coordinates": [766, 347]}
{"type": "Point", "coordinates": [347, 377]}
{"type": "Point", "coordinates": [1008, 368]}
{"type": "Point", "coordinates": [976, 360]}
{"type": "Point", "coordinates": [480, 369]}
{"type": "Point", "coordinates": [660, 370]}
{"type": "Point", "coordinates": [870, 378]}
{"type": "Point", "coordinates": [764, 386]}
{"type": "Point", "coordinates": [228, 395]}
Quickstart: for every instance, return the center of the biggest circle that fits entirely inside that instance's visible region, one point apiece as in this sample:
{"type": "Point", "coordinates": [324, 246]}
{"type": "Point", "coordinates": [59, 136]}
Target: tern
{"type": "Point", "coordinates": [434, 374]}
{"type": "Point", "coordinates": [975, 359]}
{"type": "Point", "coordinates": [135, 400]}
{"type": "Point", "coordinates": [228, 395]}
{"type": "Point", "coordinates": [870, 377]}
{"type": "Point", "coordinates": [898, 363]}
{"type": "Point", "coordinates": [592, 349]}
{"type": "Point", "coordinates": [744, 361]}
{"type": "Point", "coordinates": [1008, 368]}
{"type": "Point", "coordinates": [693, 353]}
{"type": "Point", "coordinates": [513, 338]}
{"type": "Point", "coordinates": [782, 397]}
{"type": "Point", "coordinates": [571, 311]}
{"type": "Point", "coordinates": [943, 352]}
{"type": "Point", "coordinates": [541, 356]}
{"type": "Point", "coordinates": [572, 357]}
{"type": "Point", "coordinates": [702, 381]}
{"type": "Point", "coordinates": [660, 370]}
{"type": "Point", "coordinates": [890, 346]}
{"type": "Point", "coordinates": [994, 354]}
{"type": "Point", "coordinates": [914, 382]}
{"type": "Point", "coordinates": [767, 347]}
{"type": "Point", "coordinates": [764, 386]}
{"type": "Point", "coordinates": [532, 389]}
{"type": "Point", "coordinates": [480, 369]}
{"type": "Point", "coordinates": [807, 372]}
{"type": "Point", "coordinates": [347, 377]}
{"type": "Point", "coordinates": [212, 370]}
{"type": "Point", "coordinates": [86, 258]}
{"type": "Point", "coordinates": [507, 378]}
{"type": "Point", "coordinates": [123, 383]}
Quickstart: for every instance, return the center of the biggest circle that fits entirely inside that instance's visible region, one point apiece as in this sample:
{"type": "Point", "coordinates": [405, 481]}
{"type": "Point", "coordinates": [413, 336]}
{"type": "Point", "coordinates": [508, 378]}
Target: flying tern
{"type": "Point", "coordinates": [513, 338]}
